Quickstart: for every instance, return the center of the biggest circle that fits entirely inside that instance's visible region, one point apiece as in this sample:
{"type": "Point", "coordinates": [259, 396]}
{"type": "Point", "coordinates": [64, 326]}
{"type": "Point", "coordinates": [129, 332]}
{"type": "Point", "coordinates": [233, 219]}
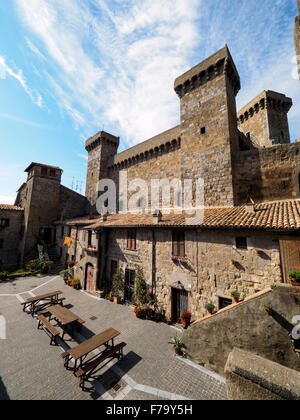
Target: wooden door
{"type": "Point", "coordinates": [90, 282]}
{"type": "Point", "coordinates": [129, 285]}
{"type": "Point", "coordinates": [179, 304]}
{"type": "Point", "coordinates": [290, 256]}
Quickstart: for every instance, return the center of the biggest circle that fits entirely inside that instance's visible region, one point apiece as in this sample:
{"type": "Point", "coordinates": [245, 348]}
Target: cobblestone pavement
{"type": "Point", "coordinates": [31, 369]}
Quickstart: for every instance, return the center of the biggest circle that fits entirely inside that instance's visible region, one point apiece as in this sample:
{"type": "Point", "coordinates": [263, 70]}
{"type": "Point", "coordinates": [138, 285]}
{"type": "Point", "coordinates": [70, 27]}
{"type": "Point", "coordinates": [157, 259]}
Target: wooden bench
{"type": "Point", "coordinates": [44, 305]}
{"type": "Point", "coordinates": [50, 330]}
{"type": "Point", "coordinates": [297, 351]}
{"type": "Point", "coordinates": [85, 372]}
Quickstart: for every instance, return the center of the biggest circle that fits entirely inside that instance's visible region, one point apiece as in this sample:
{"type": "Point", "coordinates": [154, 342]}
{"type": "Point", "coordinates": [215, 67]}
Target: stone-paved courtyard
{"type": "Point", "coordinates": [31, 369]}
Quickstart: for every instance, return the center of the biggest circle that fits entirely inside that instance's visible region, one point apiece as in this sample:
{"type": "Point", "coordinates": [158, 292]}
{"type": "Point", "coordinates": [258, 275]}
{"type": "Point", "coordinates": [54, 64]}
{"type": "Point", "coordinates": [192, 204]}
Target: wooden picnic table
{"type": "Point", "coordinates": [65, 317]}
{"type": "Point", "coordinates": [80, 352]}
{"type": "Point", "coordinates": [47, 298]}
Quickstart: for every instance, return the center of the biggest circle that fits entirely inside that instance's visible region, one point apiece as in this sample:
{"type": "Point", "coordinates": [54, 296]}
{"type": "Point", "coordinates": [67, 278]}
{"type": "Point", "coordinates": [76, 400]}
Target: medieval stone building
{"type": "Point", "coordinates": [248, 236]}
{"type": "Point", "coordinates": [238, 245]}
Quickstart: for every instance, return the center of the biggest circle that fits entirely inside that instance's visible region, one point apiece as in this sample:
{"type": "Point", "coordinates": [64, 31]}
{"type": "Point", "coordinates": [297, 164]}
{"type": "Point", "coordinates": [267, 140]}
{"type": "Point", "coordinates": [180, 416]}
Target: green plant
{"type": "Point", "coordinates": [4, 275]}
{"type": "Point", "coordinates": [118, 283]}
{"type": "Point", "coordinates": [110, 296]}
{"type": "Point", "coordinates": [76, 283]}
{"type": "Point", "coordinates": [236, 295]}
{"type": "Point", "coordinates": [210, 307]}
{"type": "Point", "coordinates": [140, 289]}
{"type": "Point", "coordinates": [294, 276]}
{"type": "Point", "coordinates": [176, 342]}
{"type": "Point", "coordinates": [268, 309]}
{"type": "Point", "coordinates": [33, 265]}
{"type": "Point", "coordinates": [151, 298]}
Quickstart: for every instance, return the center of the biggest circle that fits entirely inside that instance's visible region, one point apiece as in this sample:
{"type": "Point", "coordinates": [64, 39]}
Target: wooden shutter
{"type": "Point", "coordinates": [178, 244]}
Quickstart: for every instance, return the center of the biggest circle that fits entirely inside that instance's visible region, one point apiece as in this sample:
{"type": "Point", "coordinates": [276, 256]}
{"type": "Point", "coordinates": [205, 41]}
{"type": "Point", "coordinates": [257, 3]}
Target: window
{"type": "Point", "coordinates": [4, 222]}
{"type": "Point", "coordinates": [44, 172]}
{"type": "Point", "coordinates": [131, 240]}
{"type": "Point", "coordinates": [62, 231]}
{"type": "Point", "coordinates": [241, 242]}
{"type": "Point", "coordinates": [52, 173]}
{"type": "Point", "coordinates": [90, 239]}
{"type": "Point", "coordinates": [224, 302]}
{"type": "Point", "coordinates": [178, 244]}
{"type": "Point", "coordinates": [1, 243]}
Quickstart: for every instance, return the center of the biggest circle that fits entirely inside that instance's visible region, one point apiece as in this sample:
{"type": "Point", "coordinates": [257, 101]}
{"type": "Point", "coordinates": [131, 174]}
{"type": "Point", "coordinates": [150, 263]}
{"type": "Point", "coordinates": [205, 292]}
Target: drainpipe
{"type": "Point", "coordinates": [153, 262]}
{"type": "Point", "coordinates": [76, 239]}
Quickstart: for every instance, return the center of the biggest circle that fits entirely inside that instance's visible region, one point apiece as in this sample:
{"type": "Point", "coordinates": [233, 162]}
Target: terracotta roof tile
{"type": "Point", "coordinates": [280, 215]}
{"type": "Point", "coordinates": [10, 207]}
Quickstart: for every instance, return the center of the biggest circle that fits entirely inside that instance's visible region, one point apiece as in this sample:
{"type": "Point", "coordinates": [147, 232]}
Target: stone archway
{"type": "Point", "coordinates": [89, 283]}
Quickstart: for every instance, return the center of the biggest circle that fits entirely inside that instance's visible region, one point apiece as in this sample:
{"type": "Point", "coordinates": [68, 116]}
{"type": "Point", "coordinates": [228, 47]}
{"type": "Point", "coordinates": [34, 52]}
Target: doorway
{"type": "Point", "coordinates": [180, 302]}
{"type": "Point", "coordinates": [129, 284]}
{"type": "Point", "coordinates": [89, 281]}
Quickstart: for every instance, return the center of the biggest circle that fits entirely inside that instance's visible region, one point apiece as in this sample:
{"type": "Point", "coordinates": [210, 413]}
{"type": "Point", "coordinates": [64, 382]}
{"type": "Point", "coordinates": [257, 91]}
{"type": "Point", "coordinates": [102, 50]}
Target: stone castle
{"type": "Point", "coordinates": [249, 237]}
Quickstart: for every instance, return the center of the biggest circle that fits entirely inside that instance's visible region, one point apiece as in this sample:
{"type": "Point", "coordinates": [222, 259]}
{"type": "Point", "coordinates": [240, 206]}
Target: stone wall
{"type": "Point", "coordinates": [208, 273]}
{"type": "Point", "coordinates": [78, 252]}
{"type": "Point", "coordinates": [268, 174]}
{"type": "Point", "coordinates": [246, 326]}
{"type": "Point", "coordinates": [11, 236]}
{"type": "Point", "coordinates": [250, 377]}
{"type": "Point", "coordinates": [71, 204]}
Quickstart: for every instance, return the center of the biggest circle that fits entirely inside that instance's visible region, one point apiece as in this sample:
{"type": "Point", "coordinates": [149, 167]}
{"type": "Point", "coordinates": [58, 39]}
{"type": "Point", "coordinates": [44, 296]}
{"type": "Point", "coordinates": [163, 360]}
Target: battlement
{"type": "Point", "coordinates": [94, 141]}
{"type": "Point", "coordinates": [214, 66]}
{"type": "Point", "coordinates": [266, 99]}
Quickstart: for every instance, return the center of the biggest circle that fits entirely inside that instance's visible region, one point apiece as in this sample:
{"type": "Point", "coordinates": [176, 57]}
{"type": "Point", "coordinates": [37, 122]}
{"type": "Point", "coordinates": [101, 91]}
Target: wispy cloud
{"type": "Point", "coordinates": [18, 75]}
{"type": "Point", "coordinates": [22, 121]}
{"type": "Point", "coordinates": [113, 63]}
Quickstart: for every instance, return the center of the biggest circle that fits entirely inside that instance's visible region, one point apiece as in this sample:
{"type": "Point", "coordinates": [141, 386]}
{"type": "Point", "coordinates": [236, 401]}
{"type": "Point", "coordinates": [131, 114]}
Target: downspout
{"type": "Point", "coordinates": [153, 262]}
{"type": "Point", "coordinates": [76, 239]}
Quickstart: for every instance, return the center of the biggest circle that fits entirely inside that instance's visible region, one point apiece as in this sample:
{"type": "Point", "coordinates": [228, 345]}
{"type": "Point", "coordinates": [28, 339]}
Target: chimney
{"type": "Point", "coordinates": [250, 205]}
{"type": "Point", "coordinates": [157, 217]}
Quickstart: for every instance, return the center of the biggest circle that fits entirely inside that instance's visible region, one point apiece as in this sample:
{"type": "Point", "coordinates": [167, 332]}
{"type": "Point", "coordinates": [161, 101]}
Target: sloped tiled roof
{"type": "Point", "coordinates": [79, 221]}
{"type": "Point", "coordinates": [280, 215]}
{"type": "Point", "coordinates": [10, 207]}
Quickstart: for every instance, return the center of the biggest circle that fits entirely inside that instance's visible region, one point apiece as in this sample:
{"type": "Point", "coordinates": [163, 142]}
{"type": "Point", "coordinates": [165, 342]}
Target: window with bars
{"type": "Point", "coordinates": [131, 240]}
{"type": "Point", "coordinates": [178, 243]}
{"type": "Point", "coordinates": [44, 172]}
{"type": "Point", "coordinates": [4, 222]}
{"type": "Point", "coordinates": [90, 239]}
{"type": "Point", "coordinates": [241, 242]}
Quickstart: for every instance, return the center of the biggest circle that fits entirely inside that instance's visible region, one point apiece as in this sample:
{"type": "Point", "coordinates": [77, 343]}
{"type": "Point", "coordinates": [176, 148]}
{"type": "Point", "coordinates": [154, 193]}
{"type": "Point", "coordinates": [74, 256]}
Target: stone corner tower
{"type": "Point", "coordinates": [209, 131]}
{"type": "Point", "coordinates": [297, 37]}
{"type": "Point", "coordinates": [101, 149]}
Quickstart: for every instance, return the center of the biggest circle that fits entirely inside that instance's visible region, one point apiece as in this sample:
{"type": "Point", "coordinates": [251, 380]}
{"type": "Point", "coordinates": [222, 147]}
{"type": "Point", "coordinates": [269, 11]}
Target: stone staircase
{"type": "Point", "coordinates": [245, 325]}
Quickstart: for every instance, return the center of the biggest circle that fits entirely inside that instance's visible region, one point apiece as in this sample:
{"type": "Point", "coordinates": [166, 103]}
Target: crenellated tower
{"type": "Point", "coordinates": [101, 149]}
{"type": "Point", "coordinates": [209, 134]}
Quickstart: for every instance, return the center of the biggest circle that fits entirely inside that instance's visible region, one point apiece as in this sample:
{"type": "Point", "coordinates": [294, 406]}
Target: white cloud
{"type": "Point", "coordinates": [22, 120]}
{"type": "Point", "coordinates": [114, 62]}
{"type": "Point", "coordinates": [18, 75]}
{"type": "Point", "coordinates": [6, 200]}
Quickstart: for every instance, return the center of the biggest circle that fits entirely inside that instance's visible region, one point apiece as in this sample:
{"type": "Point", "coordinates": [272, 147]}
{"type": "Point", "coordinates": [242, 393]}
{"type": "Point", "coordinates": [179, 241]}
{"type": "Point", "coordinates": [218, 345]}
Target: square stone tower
{"type": "Point", "coordinates": [209, 134]}
{"type": "Point", "coordinates": [264, 120]}
{"type": "Point", "coordinates": [101, 149]}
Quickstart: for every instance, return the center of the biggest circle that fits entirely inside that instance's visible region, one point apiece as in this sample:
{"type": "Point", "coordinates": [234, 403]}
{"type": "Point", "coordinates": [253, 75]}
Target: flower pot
{"type": "Point", "coordinates": [178, 351]}
{"type": "Point", "coordinates": [134, 308]}
{"type": "Point", "coordinates": [269, 313]}
{"type": "Point", "coordinates": [294, 283]}
{"type": "Point", "coordinates": [116, 300]}
{"type": "Point", "coordinates": [185, 322]}
{"type": "Point", "coordinates": [235, 300]}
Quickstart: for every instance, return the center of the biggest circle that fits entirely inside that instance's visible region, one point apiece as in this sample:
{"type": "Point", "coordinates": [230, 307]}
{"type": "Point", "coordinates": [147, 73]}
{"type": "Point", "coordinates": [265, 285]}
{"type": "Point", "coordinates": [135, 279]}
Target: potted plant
{"type": "Point", "coordinates": [235, 296]}
{"type": "Point", "coordinates": [65, 274]}
{"type": "Point", "coordinates": [210, 308]}
{"type": "Point", "coordinates": [76, 284]}
{"type": "Point", "coordinates": [140, 297]}
{"type": "Point", "coordinates": [294, 278]}
{"type": "Point", "coordinates": [176, 342]}
{"type": "Point", "coordinates": [71, 264]}
{"type": "Point", "coordinates": [268, 310]}
{"type": "Point", "coordinates": [4, 275]}
{"type": "Point", "coordinates": [118, 285]}
{"type": "Point", "coordinates": [186, 318]}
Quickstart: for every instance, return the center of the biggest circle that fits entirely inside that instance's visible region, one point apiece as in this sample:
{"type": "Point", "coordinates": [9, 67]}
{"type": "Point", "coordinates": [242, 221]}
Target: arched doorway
{"type": "Point", "coordinates": [89, 284]}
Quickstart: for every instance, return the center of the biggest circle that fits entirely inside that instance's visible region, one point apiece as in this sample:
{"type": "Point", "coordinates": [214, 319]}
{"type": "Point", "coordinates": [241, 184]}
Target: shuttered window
{"type": "Point", "coordinates": [131, 240]}
{"type": "Point", "coordinates": [178, 244]}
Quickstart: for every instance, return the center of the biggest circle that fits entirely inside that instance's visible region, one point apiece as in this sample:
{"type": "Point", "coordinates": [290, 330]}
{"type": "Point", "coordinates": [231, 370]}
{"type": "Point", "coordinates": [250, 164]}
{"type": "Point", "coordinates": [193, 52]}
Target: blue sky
{"type": "Point", "coordinates": [69, 68]}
